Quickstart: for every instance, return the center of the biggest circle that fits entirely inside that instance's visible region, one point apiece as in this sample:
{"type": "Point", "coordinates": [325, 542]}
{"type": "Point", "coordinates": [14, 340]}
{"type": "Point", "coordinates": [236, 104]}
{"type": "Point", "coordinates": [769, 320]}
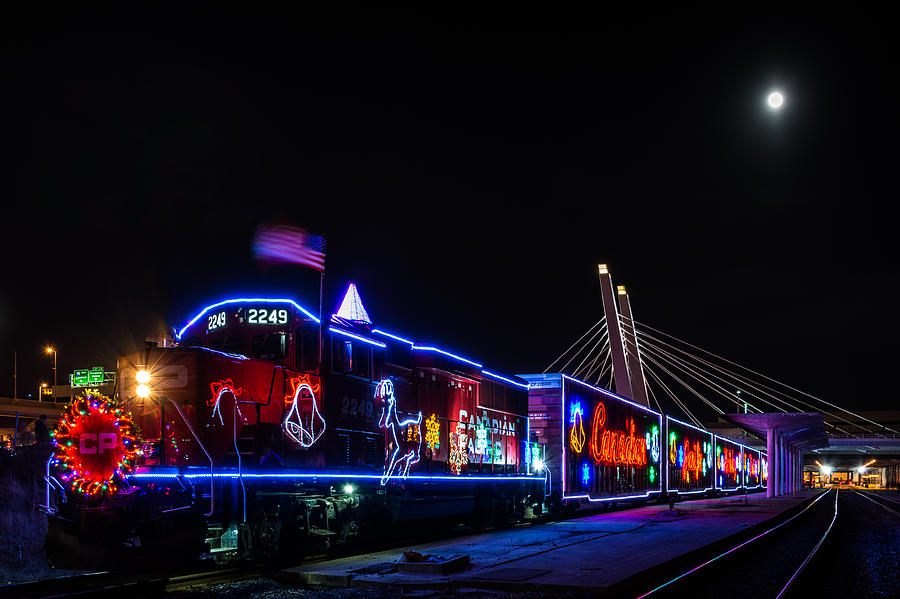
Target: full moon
{"type": "Point", "coordinates": [776, 100]}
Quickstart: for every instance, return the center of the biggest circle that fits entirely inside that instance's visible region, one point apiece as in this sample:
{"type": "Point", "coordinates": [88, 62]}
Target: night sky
{"type": "Point", "coordinates": [469, 172]}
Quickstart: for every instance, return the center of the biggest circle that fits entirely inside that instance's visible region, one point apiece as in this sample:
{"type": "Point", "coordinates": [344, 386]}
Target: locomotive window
{"type": "Point", "coordinates": [351, 358]}
{"type": "Point", "coordinates": [271, 346]}
{"type": "Point", "coordinates": [307, 348]}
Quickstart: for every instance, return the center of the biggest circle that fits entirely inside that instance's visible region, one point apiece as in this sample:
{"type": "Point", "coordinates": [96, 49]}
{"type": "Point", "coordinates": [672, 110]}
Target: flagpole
{"type": "Point", "coordinates": [321, 287]}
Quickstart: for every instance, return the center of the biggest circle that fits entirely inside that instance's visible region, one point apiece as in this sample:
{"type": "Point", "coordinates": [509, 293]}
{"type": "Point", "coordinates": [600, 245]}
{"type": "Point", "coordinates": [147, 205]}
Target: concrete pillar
{"type": "Point", "coordinates": [776, 459]}
{"type": "Point", "coordinates": [770, 465]}
{"type": "Point", "coordinates": [788, 487]}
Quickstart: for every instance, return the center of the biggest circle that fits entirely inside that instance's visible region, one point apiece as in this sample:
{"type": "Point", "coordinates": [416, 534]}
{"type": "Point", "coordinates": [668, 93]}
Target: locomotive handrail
{"type": "Point", "coordinates": [239, 461]}
{"type": "Point", "coordinates": [48, 480]}
{"type": "Point", "coordinates": [212, 490]}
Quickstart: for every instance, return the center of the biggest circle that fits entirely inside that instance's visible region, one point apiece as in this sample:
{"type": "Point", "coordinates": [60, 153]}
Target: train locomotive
{"type": "Point", "coordinates": [264, 430]}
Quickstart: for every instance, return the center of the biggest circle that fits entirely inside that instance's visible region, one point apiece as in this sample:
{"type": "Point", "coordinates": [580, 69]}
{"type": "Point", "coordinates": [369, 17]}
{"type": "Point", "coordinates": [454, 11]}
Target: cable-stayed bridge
{"type": "Point", "coordinates": [676, 377]}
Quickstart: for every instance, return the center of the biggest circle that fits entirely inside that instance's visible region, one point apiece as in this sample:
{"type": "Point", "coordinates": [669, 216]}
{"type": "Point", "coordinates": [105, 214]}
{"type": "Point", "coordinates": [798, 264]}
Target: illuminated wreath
{"type": "Point", "coordinates": [95, 444]}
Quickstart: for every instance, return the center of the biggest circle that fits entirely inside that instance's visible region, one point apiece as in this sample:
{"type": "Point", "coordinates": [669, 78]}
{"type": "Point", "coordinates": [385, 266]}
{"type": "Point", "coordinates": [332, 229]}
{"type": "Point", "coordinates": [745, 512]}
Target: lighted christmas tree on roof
{"type": "Point", "coordinates": [352, 307]}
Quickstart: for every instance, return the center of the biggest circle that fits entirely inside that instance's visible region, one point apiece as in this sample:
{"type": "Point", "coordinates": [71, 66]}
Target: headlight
{"type": "Point", "coordinates": [143, 377]}
{"type": "Point", "coordinates": [143, 390]}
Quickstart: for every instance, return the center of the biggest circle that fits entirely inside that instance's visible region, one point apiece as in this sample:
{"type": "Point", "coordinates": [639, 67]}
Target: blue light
{"type": "Point", "coordinates": [585, 474]}
{"type": "Point", "coordinates": [324, 475]}
{"type": "Point", "coordinates": [401, 339]}
{"type": "Point", "coordinates": [446, 353]}
{"type": "Point", "coordinates": [244, 300]}
{"type": "Point", "coordinates": [575, 409]}
{"type": "Point", "coordinates": [503, 378]}
{"type": "Point", "coordinates": [348, 334]}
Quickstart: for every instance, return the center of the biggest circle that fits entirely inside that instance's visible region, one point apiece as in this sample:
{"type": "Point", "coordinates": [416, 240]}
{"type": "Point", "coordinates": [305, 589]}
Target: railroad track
{"type": "Point", "coordinates": [889, 504]}
{"type": "Point", "coordinates": [770, 563]}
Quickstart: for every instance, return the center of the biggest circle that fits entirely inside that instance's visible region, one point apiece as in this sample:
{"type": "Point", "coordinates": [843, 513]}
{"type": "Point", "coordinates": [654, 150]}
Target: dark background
{"type": "Point", "coordinates": [469, 171]}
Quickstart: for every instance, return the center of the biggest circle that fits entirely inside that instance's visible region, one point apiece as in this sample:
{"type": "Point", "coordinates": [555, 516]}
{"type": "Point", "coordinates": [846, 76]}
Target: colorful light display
{"type": "Point", "coordinates": [220, 388]}
{"type": "Point", "coordinates": [304, 424]}
{"type": "Point", "coordinates": [616, 446]}
{"type": "Point", "coordinates": [459, 449]}
{"type": "Point", "coordinates": [621, 442]}
{"type": "Point", "coordinates": [729, 459]}
{"type": "Point", "coordinates": [432, 433]}
{"type": "Point", "coordinates": [481, 443]}
{"type": "Point", "coordinates": [95, 444]}
{"type": "Point", "coordinates": [399, 458]}
{"type": "Point", "coordinates": [689, 460]}
{"type": "Point", "coordinates": [576, 419]}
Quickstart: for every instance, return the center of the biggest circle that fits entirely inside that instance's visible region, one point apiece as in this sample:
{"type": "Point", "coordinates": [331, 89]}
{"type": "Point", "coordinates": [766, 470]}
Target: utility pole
{"type": "Point", "coordinates": [632, 352]}
{"type": "Point", "coordinates": [616, 347]}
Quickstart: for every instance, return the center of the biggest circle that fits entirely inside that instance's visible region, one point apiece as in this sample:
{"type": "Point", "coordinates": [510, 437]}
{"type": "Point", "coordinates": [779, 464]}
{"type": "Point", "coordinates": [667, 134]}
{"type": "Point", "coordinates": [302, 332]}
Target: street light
{"type": "Point", "coordinates": [51, 350]}
{"type": "Point", "coordinates": [41, 391]}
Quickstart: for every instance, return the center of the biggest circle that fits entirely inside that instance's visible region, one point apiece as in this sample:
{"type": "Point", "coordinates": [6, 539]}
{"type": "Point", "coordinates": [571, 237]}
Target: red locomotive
{"type": "Point", "coordinates": [264, 430]}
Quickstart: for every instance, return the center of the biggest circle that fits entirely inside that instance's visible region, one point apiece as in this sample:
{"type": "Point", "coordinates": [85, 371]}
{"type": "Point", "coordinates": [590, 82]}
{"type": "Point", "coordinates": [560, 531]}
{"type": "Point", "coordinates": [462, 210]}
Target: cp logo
{"type": "Point", "coordinates": [106, 441]}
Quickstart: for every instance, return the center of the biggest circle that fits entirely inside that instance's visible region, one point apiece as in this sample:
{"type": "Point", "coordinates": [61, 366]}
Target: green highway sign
{"type": "Point", "coordinates": [93, 377]}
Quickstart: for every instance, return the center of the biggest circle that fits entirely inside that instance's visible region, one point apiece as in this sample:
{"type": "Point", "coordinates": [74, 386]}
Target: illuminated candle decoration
{"type": "Point", "coordinates": [398, 458]}
{"type": "Point", "coordinates": [459, 449]}
{"type": "Point", "coordinates": [653, 444]}
{"type": "Point", "coordinates": [432, 433]}
{"type": "Point", "coordinates": [95, 444]}
{"type": "Point", "coordinates": [304, 424]}
{"type": "Point", "coordinates": [219, 389]}
{"type": "Point", "coordinates": [576, 419]}
{"type": "Point", "coordinates": [673, 448]}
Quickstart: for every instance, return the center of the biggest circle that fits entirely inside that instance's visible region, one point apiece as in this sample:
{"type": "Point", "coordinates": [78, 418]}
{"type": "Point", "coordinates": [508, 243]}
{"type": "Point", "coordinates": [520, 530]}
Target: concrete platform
{"type": "Point", "coordinates": [595, 554]}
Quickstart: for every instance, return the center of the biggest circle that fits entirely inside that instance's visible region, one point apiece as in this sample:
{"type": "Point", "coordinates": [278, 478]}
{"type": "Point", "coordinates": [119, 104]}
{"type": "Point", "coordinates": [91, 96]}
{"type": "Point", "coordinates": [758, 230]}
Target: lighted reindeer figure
{"type": "Point", "coordinates": [389, 421]}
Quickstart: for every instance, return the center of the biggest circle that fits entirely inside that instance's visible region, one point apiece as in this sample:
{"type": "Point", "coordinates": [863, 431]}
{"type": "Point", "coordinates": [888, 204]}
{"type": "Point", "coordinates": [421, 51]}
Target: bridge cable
{"type": "Point", "coordinates": [745, 382]}
{"type": "Point", "coordinates": [772, 380]}
{"type": "Point", "coordinates": [598, 323]}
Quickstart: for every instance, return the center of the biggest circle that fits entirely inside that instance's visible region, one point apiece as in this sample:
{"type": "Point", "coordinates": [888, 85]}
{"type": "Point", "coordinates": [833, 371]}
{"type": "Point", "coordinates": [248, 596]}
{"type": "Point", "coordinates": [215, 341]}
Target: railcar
{"type": "Point", "coordinates": [264, 430]}
{"type": "Point", "coordinates": [600, 448]}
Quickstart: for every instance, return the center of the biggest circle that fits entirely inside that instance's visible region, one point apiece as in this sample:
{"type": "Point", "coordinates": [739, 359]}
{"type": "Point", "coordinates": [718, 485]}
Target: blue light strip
{"type": "Point", "coordinates": [503, 378]}
{"type": "Point", "coordinates": [351, 335]}
{"type": "Point", "coordinates": [446, 353]}
{"type": "Point", "coordinates": [327, 475]}
{"type": "Point", "coordinates": [696, 428]}
{"type": "Point", "coordinates": [379, 332]}
{"type": "Point", "coordinates": [244, 300]}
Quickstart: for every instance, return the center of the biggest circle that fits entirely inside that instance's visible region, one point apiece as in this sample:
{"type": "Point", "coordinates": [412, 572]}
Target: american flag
{"type": "Point", "coordinates": [291, 245]}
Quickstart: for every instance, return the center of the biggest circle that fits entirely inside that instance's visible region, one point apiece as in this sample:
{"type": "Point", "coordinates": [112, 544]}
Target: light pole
{"type": "Point", "coordinates": [51, 350]}
{"type": "Point", "coordinates": [41, 391]}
